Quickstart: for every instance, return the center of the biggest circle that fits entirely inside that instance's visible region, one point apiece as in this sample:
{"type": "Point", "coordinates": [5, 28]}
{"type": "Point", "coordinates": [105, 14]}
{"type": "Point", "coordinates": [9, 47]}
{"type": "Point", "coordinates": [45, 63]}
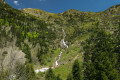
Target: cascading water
{"type": "Point", "coordinates": [59, 56]}
{"type": "Point", "coordinates": [64, 43]}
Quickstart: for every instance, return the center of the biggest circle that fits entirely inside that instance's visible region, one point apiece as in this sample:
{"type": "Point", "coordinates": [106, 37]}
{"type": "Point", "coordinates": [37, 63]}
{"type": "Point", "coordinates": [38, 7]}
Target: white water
{"type": "Point", "coordinates": [64, 43]}
{"type": "Point", "coordinates": [56, 63]}
{"type": "Point", "coordinates": [41, 70]}
{"type": "Point", "coordinates": [56, 60]}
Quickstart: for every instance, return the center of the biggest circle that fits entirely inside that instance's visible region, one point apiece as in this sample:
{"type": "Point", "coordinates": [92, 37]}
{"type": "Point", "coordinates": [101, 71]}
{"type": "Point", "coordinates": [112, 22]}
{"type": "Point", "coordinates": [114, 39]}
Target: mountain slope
{"type": "Point", "coordinates": [79, 26]}
{"type": "Point", "coordinates": [26, 31]}
{"type": "Point", "coordinates": [39, 36]}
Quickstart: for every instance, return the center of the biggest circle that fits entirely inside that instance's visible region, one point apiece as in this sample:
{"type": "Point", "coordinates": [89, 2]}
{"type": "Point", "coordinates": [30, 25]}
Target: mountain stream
{"type": "Point", "coordinates": [56, 58]}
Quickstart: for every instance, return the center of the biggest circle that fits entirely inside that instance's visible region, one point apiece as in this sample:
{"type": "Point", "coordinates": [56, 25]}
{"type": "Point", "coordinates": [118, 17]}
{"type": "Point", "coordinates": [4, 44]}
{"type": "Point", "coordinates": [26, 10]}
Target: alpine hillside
{"type": "Point", "coordinates": [73, 45]}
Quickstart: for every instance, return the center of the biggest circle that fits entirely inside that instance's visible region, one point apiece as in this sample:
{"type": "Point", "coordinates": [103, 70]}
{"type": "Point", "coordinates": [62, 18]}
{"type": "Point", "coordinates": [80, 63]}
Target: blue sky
{"type": "Point", "coordinates": [58, 6]}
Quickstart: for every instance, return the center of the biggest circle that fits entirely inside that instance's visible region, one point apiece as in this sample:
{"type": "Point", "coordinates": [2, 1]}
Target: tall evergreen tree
{"type": "Point", "coordinates": [100, 59]}
{"type": "Point", "coordinates": [69, 77]}
{"type": "Point", "coordinates": [50, 75]}
{"type": "Point", "coordinates": [117, 49]}
{"type": "Point", "coordinates": [76, 71]}
{"type": "Point", "coordinates": [29, 72]}
{"type": "Point", "coordinates": [58, 77]}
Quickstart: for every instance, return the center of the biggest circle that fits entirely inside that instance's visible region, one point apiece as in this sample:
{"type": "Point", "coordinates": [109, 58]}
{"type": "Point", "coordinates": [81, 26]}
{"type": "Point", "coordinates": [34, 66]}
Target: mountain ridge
{"type": "Point", "coordinates": [75, 10]}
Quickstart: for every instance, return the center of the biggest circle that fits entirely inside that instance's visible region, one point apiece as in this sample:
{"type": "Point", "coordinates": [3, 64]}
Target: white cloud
{"type": "Point", "coordinates": [16, 2]}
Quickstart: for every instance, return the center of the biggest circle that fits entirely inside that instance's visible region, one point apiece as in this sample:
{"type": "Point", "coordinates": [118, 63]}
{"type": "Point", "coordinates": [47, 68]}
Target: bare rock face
{"type": "Point", "coordinates": [11, 55]}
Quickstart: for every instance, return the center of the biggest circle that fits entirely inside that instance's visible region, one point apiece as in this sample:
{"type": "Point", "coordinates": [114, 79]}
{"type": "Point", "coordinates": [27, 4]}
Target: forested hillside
{"type": "Point", "coordinates": [73, 45]}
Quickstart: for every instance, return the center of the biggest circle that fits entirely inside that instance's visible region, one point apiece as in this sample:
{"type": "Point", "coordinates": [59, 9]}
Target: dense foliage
{"type": "Point", "coordinates": [76, 72]}
{"type": "Point", "coordinates": [24, 26]}
{"type": "Point", "coordinates": [50, 75]}
{"type": "Point", "coordinates": [101, 59]}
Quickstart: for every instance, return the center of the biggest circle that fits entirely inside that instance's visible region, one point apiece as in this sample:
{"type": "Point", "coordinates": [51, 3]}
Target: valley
{"type": "Point", "coordinates": [37, 45]}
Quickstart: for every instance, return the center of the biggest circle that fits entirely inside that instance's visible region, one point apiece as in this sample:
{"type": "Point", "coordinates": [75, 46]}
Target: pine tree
{"type": "Point", "coordinates": [50, 75]}
{"type": "Point", "coordinates": [29, 72]}
{"type": "Point", "coordinates": [69, 77]}
{"type": "Point", "coordinates": [101, 59]}
{"type": "Point", "coordinates": [58, 77]}
{"type": "Point", "coordinates": [117, 49]}
{"type": "Point", "coordinates": [76, 71]}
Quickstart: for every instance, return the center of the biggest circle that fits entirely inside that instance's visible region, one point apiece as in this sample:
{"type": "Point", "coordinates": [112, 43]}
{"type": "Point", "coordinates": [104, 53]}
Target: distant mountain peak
{"type": "Point", "coordinates": [73, 11]}
{"type": "Point", "coordinates": [115, 6]}
{"type": "Point", "coordinates": [114, 10]}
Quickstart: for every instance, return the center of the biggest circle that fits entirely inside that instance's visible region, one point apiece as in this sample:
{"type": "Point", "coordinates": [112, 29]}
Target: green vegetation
{"type": "Point", "coordinates": [76, 71]}
{"type": "Point", "coordinates": [93, 40]}
{"type": "Point", "coordinates": [50, 75]}
{"type": "Point", "coordinates": [69, 77]}
{"type": "Point", "coordinates": [29, 72]}
{"type": "Point", "coordinates": [100, 57]}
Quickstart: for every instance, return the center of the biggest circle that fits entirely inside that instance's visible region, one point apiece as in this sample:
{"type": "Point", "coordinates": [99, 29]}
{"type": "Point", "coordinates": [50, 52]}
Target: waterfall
{"type": "Point", "coordinates": [56, 60]}
{"type": "Point", "coordinates": [64, 43]}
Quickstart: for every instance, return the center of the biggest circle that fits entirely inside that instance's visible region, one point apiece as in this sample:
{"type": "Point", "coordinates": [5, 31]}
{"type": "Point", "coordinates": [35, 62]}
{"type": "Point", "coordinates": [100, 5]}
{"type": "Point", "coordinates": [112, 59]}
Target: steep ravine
{"type": "Point", "coordinates": [56, 58]}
